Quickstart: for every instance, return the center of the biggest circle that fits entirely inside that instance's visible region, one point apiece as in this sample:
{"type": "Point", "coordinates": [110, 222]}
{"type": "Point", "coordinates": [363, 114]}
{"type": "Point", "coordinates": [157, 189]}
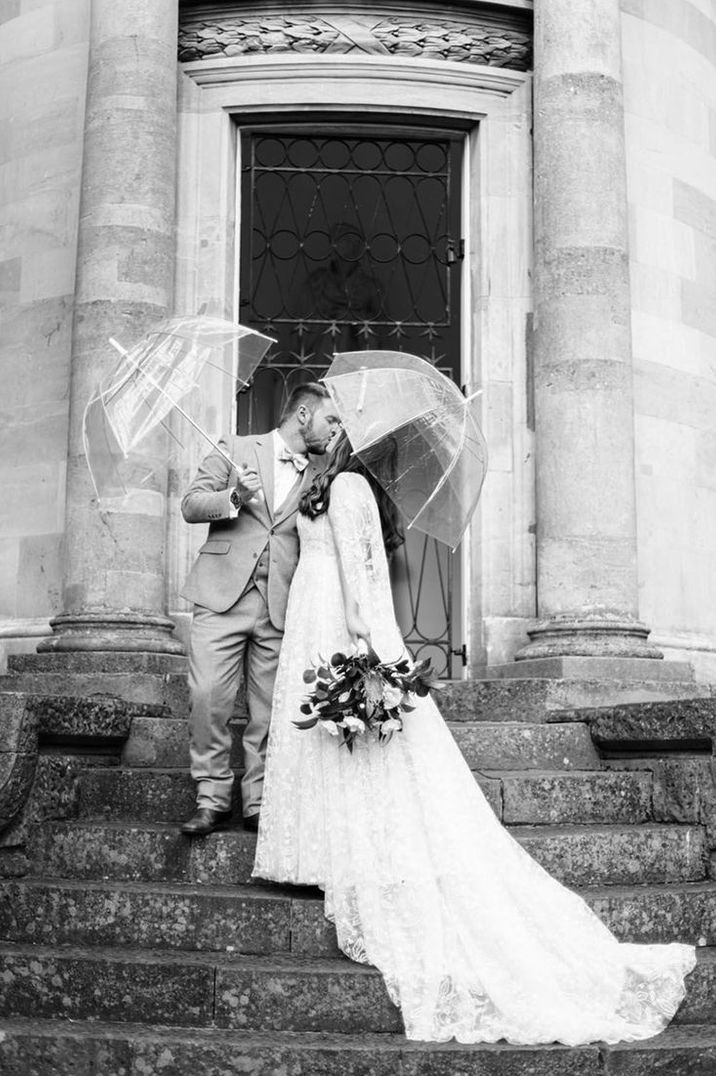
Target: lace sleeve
{"type": "Point", "coordinates": [355, 522]}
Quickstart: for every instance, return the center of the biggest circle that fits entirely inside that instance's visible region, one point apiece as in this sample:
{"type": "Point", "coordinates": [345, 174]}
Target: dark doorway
{"type": "Point", "coordinates": [350, 240]}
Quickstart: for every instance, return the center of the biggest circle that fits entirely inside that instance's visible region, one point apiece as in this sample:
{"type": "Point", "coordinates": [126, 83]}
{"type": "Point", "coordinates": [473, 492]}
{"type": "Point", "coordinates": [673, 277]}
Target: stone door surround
{"type": "Point", "coordinates": [462, 64]}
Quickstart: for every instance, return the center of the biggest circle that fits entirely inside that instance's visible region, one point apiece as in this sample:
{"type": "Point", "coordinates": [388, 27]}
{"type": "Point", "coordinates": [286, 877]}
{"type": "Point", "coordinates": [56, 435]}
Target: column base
{"type": "Point", "coordinates": [618, 672]}
{"type": "Point", "coordinates": [599, 635]}
{"type": "Point", "coordinates": [135, 632]}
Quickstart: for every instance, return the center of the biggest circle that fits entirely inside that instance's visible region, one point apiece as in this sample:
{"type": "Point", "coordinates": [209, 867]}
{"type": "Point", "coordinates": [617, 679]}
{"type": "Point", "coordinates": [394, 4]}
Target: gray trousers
{"type": "Point", "coordinates": [220, 644]}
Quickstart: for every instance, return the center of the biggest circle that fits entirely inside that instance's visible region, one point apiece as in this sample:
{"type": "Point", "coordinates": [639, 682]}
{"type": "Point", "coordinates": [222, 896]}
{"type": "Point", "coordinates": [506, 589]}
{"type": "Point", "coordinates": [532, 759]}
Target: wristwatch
{"type": "Point", "coordinates": [235, 499]}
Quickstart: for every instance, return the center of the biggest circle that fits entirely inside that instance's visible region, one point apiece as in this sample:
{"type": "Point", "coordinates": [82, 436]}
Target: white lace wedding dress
{"type": "Point", "coordinates": [474, 939]}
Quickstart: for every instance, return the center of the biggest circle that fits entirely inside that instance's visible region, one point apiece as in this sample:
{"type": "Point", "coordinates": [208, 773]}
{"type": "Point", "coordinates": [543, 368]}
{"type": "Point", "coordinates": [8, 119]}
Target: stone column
{"type": "Point", "coordinates": [586, 515]}
{"type": "Point", "coordinates": [114, 586]}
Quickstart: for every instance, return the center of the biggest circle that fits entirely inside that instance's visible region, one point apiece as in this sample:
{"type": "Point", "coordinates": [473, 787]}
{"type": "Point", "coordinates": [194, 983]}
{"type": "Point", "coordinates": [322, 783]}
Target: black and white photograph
{"type": "Point", "coordinates": [357, 538]}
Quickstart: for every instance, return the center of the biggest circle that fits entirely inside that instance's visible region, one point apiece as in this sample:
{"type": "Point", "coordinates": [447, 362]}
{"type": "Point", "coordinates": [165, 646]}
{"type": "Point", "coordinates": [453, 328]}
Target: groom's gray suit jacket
{"type": "Point", "coordinates": [229, 556]}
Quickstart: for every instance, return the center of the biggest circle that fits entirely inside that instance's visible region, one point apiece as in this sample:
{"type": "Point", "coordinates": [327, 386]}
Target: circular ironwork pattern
{"type": "Point", "coordinates": [326, 278]}
{"type": "Point", "coordinates": [351, 241]}
{"type": "Point", "coordinates": [237, 33]}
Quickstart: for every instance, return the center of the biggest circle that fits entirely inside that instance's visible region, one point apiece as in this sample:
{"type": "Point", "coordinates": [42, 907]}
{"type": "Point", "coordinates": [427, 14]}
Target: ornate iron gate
{"type": "Point", "coordinates": [351, 240]}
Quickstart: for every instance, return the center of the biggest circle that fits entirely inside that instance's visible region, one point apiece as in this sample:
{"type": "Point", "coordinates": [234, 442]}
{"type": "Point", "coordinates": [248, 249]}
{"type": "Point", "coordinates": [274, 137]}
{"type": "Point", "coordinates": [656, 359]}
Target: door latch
{"type": "Point", "coordinates": [455, 251]}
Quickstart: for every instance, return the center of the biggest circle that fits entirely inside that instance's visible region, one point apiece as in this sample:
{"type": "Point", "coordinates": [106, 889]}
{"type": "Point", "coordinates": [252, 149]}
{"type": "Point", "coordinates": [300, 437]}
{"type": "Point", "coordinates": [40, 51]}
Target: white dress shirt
{"type": "Point", "coordinates": [285, 475]}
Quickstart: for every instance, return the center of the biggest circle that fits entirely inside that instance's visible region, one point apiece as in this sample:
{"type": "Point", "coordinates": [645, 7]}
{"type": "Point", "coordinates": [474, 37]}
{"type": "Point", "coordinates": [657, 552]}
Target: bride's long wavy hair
{"type": "Point", "coordinates": [316, 499]}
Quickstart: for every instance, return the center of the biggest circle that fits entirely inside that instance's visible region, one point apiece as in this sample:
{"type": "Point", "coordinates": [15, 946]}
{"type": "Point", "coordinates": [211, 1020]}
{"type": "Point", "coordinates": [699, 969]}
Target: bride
{"type": "Point", "coordinates": [475, 941]}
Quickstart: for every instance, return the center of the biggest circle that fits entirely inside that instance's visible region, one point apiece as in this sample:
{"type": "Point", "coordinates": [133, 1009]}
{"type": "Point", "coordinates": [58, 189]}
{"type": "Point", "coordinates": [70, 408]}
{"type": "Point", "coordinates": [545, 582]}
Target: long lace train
{"type": "Point", "coordinates": [474, 939]}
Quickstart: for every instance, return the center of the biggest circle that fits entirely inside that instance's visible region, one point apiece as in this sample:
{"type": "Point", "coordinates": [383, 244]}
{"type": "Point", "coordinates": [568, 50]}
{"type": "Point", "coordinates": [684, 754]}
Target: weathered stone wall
{"type": "Point", "coordinates": [669, 52]}
{"type": "Point", "coordinates": [43, 66]}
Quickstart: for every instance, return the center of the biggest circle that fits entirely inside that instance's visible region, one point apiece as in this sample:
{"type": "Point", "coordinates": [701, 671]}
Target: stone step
{"type": "Point", "coordinates": [251, 993]}
{"type": "Point", "coordinates": [194, 989]}
{"type": "Point", "coordinates": [684, 785]}
{"type": "Point", "coordinates": [579, 667]}
{"type": "Point", "coordinates": [248, 919]}
{"type": "Point", "coordinates": [523, 797]}
{"type": "Point", "coordinates": [98, 662]}
{"type": "Point", "coordinates": [543, 700]}
{"type": "Point", "coordinates": [146, 794]}
{"type": "Point", "coordinates": [168, 690]}
{"type": "Point", "coordinates": [168, 794]}
{"type": "Point", "coordinates": [520, 746]}
{"type": "Point", "coordinates": [152, 795]}
{"type": "Point", "coordinates": [681, 725]}
{"type": "Point", "coordinates": [680, 911]}
{"type": "Point", "coordinates": [158, 679]}
{"type": "Point", "coordinates": [618, 855]}
{"type": "Point", "coordinates": [263, 920]}
{"type": "Point", "coordinates": [516, 745]}
{"type": "Point", "coordinates": [531, 700]}
{"type": "Point", "coordinates": [579, 797]}
{"type": "Point", "coordinates": [699, 1005]}
{"type": "Point", "coordinates": [146, 852]}
{"type": "Point", "coordinates": [161, 742]}
{"type": "Point", "coordinates": [80, 721]}
{"type": "Point", "coordinates": [576, 855]}
{"type": "Point", "coordinates": [80, 1048]}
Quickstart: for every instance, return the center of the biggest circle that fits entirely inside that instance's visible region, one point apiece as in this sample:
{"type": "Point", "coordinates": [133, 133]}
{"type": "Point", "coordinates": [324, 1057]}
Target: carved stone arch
{"type": "Point", "coordinates": [458, 32]}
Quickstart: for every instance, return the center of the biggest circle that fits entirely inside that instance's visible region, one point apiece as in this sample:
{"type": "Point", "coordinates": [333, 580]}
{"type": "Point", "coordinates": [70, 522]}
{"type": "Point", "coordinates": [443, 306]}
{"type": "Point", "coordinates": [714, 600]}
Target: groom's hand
{"type": "Point", "coordinates": [248, 483]}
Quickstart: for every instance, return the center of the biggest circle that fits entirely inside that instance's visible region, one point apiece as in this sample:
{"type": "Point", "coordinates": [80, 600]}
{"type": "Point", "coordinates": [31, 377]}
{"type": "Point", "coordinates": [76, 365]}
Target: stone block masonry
{"type": "Point", "coordinates": [43, 70]}
{"type": "Point", "coordinates": [669, 62]}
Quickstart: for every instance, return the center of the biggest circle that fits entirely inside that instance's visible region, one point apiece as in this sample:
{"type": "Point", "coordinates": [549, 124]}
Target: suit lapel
{"type": "Point", "coordinates": [264, 460]}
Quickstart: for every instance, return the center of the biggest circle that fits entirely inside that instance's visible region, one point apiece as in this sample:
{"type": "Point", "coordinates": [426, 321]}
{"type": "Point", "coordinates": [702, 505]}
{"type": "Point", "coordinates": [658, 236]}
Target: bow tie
{"type": "Point", "coordinates": [299, 462]}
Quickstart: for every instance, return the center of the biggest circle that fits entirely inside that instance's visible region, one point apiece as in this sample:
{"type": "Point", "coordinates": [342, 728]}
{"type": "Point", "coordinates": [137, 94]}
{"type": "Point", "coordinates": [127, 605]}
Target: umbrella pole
{"type": "Point", "coordinates": [125, 354]}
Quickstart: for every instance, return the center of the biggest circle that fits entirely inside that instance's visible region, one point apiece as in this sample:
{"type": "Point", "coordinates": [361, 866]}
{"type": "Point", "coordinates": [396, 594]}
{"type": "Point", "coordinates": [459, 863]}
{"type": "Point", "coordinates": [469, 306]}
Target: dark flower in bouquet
{"type": "Point", "coordinates": [358, 693]}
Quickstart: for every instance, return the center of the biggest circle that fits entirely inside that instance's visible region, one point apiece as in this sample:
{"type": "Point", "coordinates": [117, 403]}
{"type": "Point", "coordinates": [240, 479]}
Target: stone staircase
{"type": "Point", "coordinates": [129, 950]}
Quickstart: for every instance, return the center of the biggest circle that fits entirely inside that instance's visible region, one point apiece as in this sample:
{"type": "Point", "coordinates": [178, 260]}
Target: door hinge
{"type": "Point", "coordinates": [455, 251]}
{"type": "Point", "coordinates": [460, 652]}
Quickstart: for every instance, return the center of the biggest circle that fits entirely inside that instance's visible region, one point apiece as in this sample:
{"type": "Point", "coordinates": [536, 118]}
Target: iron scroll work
{"type": "Point", "coordinates": [352, 243]}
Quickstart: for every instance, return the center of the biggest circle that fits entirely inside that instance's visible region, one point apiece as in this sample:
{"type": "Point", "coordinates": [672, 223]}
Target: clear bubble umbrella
{"type": "Point", "coordinates": [159, 383]}
{"type": "Point", "coordinates": [417, 434]}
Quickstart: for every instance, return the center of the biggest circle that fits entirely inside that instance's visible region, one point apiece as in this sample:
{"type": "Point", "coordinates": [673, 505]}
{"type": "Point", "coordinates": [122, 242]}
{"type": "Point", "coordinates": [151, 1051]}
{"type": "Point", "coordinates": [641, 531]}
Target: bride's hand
{"type": "Point", "coordinates": [357, 627]}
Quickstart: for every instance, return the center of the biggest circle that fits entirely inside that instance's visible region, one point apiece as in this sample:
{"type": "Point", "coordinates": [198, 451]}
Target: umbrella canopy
{"type": "Point", "coordinates": [156, 379]}
{"type": "Point", "coordinates": [417, 434]}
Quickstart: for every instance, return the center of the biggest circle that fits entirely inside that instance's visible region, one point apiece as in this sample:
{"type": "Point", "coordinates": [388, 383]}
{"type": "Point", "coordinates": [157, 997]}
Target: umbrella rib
{"type": "Point", "coordinates": [440, 484]}
{"type": "Point", "coordinates": [394, 429]}
{"type": "Point", "coordinates": [118, 347]}
{"type": "Point", "coordinates": [222, 370]}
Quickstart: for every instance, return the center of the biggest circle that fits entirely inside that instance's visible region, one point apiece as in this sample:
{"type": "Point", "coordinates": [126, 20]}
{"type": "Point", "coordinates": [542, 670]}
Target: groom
{"type": "Point", "coordinates": [239, 585]}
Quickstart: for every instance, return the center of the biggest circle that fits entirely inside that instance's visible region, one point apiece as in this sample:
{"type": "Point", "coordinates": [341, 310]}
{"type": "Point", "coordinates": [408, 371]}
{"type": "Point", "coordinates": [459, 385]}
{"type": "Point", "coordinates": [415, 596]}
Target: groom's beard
{"type": "Point", "coordinates": [313, 445]}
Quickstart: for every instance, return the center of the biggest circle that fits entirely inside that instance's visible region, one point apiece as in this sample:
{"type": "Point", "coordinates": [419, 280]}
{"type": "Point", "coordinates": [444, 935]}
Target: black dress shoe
{"type": "Point", "coordinates": [206, 821]}
{"type": "Point", "coordinates": [251, 823]}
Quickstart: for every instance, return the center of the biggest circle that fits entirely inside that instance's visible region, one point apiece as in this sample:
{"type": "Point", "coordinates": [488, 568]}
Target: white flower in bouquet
{"type": "Point", "coordinates": [392, 696]}
{"type": "Point", "coordinates": [330, 727]}
{"type": "Point", "coordinates": [354, 724]}
{"type": "Point", "coordinates": [391, 724]}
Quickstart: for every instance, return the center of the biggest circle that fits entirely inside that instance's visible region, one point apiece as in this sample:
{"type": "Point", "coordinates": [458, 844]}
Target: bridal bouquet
{"type": "Point", "coordinates": [356, 693]}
